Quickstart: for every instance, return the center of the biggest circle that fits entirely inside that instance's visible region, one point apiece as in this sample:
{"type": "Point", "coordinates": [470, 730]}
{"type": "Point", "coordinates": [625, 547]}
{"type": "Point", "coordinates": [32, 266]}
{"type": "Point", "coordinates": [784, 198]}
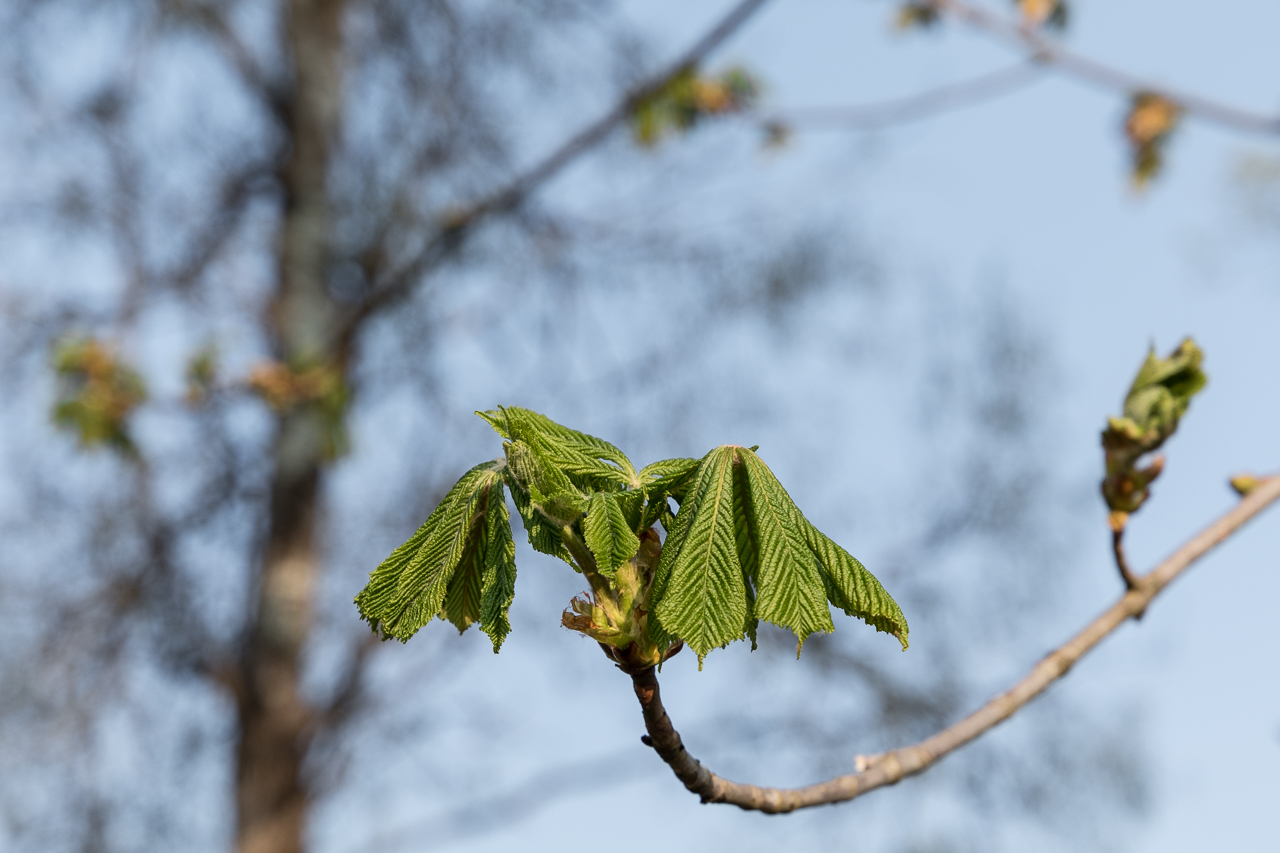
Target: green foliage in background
{"type": "Point", "coordinates": [319, 391]}
{"type": "Point", "coordinates": [96, 393]}
{"type": "Point", "coordinates": [1157, 399]}
{"type": "Point", "coordinates": [687, 98]}
{"type": "Point", "coordinates": [1151, 122]}
{"type": "Point", "coordinates": [737, 551]}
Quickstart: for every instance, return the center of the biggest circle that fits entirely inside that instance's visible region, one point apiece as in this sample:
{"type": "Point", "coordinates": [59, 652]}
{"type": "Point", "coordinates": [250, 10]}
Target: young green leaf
{"type": "Point", "coordinates": [661, 480]}
{"type": "Point", "coordinates": [408, 589]}
{"type": "Point", "coordinates": [704, 600]}
{"type": "Point", "coordinates": [499, 583]}
{"type": "Point", "coordinates": [498, 420]}
{"type": "Point", "coordinates": [588, 460]}
{"type": "Point", "coordinates": [1156, 402]}
{"type": "Point", "coordinates": [1163, 388]}
{"type": "Point", "coordinates": [668, 475]}
{"type": "Point", "coordinates": [854, 589]}
{"type": "Point", "coordinates": [748, 555]}
{"type": "Point", "coordinates": [462, 598]}
{"type": "Point", "coordinates": [607, 533]}
{"type": "Point", "coordinates": [544, 536]}
{"type": "Point", "coordinates": [551, 492]}
{"type": "Point", "coordinates": [789, 588]}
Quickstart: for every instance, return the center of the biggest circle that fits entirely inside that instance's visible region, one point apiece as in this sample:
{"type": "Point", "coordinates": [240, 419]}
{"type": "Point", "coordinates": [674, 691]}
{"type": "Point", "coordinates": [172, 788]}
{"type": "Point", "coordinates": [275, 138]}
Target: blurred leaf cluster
{"type": "Point", "coordinates": [96, 393]}
{"type": "Point", "coordinates": [1151, 121]}
{"type": "Point", "coordinates": [202, 372]}
{"type": "Point", "coordinates": [921, 14]}
{"type": "Point", "coordinates": [1043, 13]}
{"type": "Point", "coordinates": [688, 98]}
{"type": "Point", "coordinates": [1156, 401]}
{"type": "Point", "coordinates": [321, 389]}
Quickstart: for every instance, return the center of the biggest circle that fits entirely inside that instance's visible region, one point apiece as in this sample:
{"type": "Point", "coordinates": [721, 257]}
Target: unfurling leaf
{"type": "Point", "coordinates": [703, 596]}
{"type": "Point", "coordinates": [740, 551]}
{"type": "Point", "coordinates": [589, 461]}
{"type": "Point", "coordinates": [444, 569]}
{"type": "Point", "coordinates": [96, 394]}
{"type": "Point", "coordinates": [1157, 399]}
{"type": "Point", "coordinates": [498, 588]}
{"type": "Point", "coordinates": [1152, 119]}
{"type": "Point", "coordinates": [789, 588]}
{"type": "Point", "coordinates": [669, 478]}
{"type": "Point", "coordinates": [608, 536]}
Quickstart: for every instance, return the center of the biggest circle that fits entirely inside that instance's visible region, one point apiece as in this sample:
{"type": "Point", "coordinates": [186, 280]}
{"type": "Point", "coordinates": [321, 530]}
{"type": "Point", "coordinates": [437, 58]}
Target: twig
{"type": "Point", "coordinates": [912, 107]}
{"type": "Point", "coordinates": [1117, 547]}
{"type": "Point", "coordinates": [400, 282]}
{"type": "Point", "coordinates": [891, 767]}
{"type": "Point", "coordinates": [1050, 52]}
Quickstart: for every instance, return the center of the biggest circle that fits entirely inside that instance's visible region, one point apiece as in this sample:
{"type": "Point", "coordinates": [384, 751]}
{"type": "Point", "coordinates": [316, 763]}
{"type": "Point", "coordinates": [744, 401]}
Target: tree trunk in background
{"type": "Point", "coordinates": [275, 722]}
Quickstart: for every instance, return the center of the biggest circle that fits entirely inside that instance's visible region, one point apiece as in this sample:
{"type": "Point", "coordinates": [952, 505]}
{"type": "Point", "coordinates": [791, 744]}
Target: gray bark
{"type": "Point", "coordinates": [276, 723]}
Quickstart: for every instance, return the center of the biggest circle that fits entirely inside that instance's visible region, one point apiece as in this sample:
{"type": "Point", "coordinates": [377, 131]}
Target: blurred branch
{"type": "Point", "coordinates": [889, 768]}
{"type": "Point", "coordinates": [238, 188]}
{"type": "Point", "coordinates": [914, 107]}
{"type": "Point", "coordinates": [400, 282]}
{"type": "Point", "coordinates": [1050, 52]}
{"type": "Point", "coordinates": [350, 690]}
{"type": "Point", "coordinates": [209, 18]}
{"type": "Point", "coordinates": [501, 810]}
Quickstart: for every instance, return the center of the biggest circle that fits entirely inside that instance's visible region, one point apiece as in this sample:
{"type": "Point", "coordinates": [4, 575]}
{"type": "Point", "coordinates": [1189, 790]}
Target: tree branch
{"type": "Point", "coordinates": [910, 108]}
{"type": "Point", "coordinates": [400, 282]}
{"type": "Point", "coordinates": [1050, 52]}
{"type": "Point", "coordinates": [259, 82]}
{"type": "Point", "coordinates": [1122, 562]}
{"type": "Point", "coordinates": [891, 767]}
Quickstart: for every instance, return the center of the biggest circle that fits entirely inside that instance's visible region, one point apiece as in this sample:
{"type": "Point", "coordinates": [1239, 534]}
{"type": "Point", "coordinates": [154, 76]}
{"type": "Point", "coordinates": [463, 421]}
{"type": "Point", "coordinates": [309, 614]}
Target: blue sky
{"type": "Point", "coordinates": [1032, 190]}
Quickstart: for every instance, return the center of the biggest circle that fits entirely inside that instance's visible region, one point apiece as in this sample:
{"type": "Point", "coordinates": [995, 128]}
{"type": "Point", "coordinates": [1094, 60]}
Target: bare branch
{"type": "Point", "coordinates": [914, 107]}
{"type": "Point", "coordinates": [271, 92]}
{"type": "Point", "coordinates": [1048, 51]}
{"type": "Point", "coordinates": [400, 282]}
{"type": "Point", "coordinates": [350, 690]}
{"type": "Point", "coordinates": [891, 767]}
{"type": "Point", "coordinates": [238, 188]}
